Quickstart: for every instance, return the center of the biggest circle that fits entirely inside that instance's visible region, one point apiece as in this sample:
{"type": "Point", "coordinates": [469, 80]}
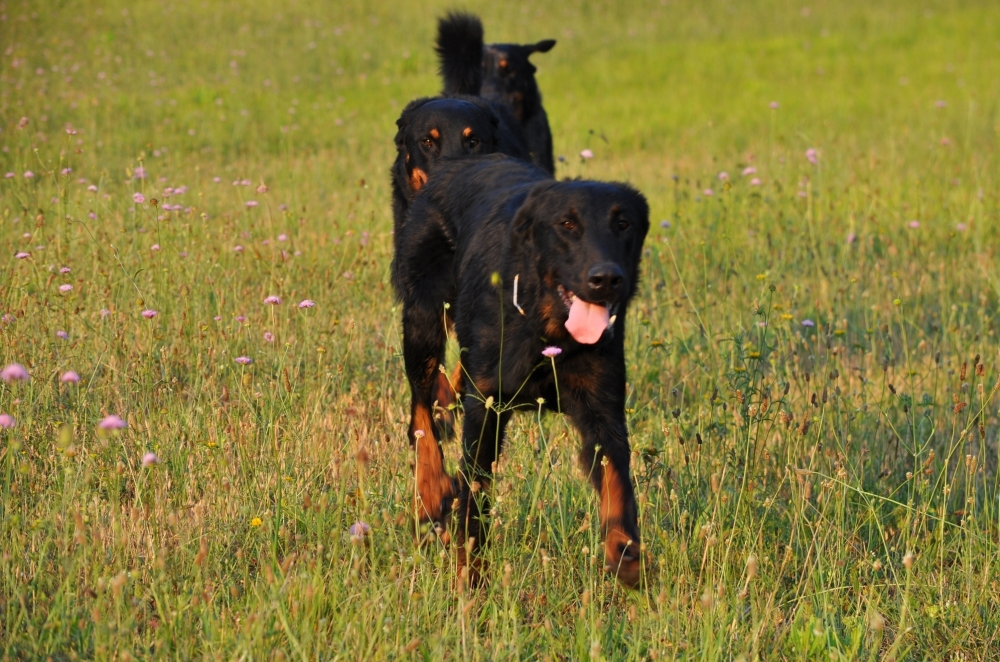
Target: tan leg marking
{"type": "Point", "coordinates": [434, 486]}
{"type": "Point", "coordinates": [621, 554]}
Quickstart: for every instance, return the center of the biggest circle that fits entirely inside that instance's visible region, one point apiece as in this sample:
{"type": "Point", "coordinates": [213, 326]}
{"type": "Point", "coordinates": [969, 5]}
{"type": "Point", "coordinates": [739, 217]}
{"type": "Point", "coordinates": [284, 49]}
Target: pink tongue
{"type": "Point", "coordinates": [587, 321]}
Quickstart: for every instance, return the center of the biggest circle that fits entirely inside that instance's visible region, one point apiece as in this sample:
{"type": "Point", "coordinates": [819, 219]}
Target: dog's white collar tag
{"type": "Point", "coordinates": [519, 309]}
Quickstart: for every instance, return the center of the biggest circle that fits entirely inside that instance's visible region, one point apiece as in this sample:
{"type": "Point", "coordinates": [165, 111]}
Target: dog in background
{"type": "Point", "coordinates": [526, 264]}
{"type": "Point", "coordinates": [432, 129]}
{"type": "Point", "coordinates": [499, 72]}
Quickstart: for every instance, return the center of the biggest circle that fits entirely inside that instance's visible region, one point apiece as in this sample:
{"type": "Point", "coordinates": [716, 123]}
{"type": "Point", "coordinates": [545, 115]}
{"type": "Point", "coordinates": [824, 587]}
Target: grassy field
{"type": "Point", "coordinates": [813, 355]}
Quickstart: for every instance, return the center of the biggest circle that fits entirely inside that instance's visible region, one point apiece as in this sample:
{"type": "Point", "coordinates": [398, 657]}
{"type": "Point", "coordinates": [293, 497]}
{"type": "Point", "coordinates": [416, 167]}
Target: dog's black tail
{"type": "Point", "coordinates": [460, 51]}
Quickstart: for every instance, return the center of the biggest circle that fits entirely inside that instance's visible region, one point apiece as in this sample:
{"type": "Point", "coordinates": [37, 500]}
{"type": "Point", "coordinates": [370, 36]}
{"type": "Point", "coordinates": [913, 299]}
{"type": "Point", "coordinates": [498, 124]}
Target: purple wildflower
{"type": "Point", "coordinates": [28, 174]}
{"type": "Point", "coordinates": [586, 154]}
{"type": "Point", "coordinates": [139, 173]}
{"type": "Point", "coordinates": [268, 336]}
{"type": "Point", "coordinates": [243, 360]}
{"type": "Point", "coordinates": [773, 105]}
{"type": "Point", "coordinates": [22, 255]}
{"type": "Point", "coordinates": [65, 287]}
{"type": "Point", "coordinates": [808, 323]}
{"type": "Point", "coordinates": [149, 459]}
{"type": "Point", "coordinates": [112, 422]}
{"type": "Point", "coordinates": [812, 156]}
{"type": "Point", "coordinates": [551, 351]}
{"type": "Point", "coordinates": [913, 225]}
{"type": "Point", "coordinates": [138, 198]}
{"type": "Point", "coordinates": [62, 334]}
{"type": "Point", "coordinates": [307, 303]}
{"type": "Point", "coordinates": [70, 377]}
{"type": "Point", "coordinates": [7, 421]}
{"type": "Point", "coordinates": [251, 203]}
{"type": "Point", "coordinates": [723, 176]}
{"type": "Point", "coordinates": [665, 224]}
{"type": "Point", "coordinates": [755, 181]}
{"type": "Point", "coordinates": [149, 314]}
{"type": "Point", "coordinates": [272, 300]}
{"type": "Point", "coordinates": [749, 170]}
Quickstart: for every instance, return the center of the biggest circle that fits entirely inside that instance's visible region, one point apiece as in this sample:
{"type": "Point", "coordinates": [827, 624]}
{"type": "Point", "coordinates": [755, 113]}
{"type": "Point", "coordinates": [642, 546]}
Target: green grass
{"type": "Point", "coordinates": [855, 461]}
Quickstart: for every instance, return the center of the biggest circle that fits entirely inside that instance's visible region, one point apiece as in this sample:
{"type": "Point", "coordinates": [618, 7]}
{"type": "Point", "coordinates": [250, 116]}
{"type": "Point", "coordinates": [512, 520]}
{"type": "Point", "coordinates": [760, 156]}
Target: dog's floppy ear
{"type": "Point", "coordinates": [522, 229]}
{"type": "Point", "coordinates": [401, 133]}
{"type": "Point", "coordinates": [544, 46]}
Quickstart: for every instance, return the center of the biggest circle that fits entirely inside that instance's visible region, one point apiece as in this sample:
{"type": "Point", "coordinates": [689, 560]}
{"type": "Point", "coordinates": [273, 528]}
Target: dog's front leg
{"type": "Point", "coordinates": [605, 457]}
{"type": "Point", "coordinates": [482, 440]}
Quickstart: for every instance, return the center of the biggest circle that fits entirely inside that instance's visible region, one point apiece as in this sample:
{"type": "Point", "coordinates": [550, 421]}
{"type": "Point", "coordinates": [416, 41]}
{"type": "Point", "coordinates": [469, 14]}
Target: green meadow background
{"type": "Point", "coordinates": [813, 354]}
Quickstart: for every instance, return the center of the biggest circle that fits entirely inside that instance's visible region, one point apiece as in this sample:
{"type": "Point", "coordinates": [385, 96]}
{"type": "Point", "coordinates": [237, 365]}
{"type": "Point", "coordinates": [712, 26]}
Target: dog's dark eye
{"type": "Point", "coordinates": [622, 224]}
{"type": "Point", "coordinates": [473, 142]}
{"type": "Point", "coordinates": [427, 142]}
{"type": "Point", "coordinates": [568, 224]}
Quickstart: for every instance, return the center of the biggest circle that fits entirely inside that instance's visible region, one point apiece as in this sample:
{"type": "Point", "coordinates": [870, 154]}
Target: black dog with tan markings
{"type": "Point", "coordinates": [498, 72]}
{"type": "Point", "coordinates": [434, 128]}
{"type": "Point", "coordinates": [525, 263]}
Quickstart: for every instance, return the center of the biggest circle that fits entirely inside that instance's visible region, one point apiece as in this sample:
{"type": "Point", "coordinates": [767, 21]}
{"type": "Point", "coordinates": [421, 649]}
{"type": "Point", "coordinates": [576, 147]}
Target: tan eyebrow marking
{"type": "Point", "coordinates": [467, 132]}
{"type": "Point", "coordinates": [435, 134]}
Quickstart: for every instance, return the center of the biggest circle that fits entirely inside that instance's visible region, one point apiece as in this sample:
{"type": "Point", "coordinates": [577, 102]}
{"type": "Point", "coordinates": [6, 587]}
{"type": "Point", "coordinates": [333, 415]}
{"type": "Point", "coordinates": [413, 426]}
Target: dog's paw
{"type": "Point", "coordinates": [622, 558]}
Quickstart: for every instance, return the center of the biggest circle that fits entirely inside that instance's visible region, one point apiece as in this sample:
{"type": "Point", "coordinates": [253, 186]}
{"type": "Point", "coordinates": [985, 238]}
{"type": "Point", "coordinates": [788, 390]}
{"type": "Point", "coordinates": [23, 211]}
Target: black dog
{"type": "Point", "coordinates": [437, 128]}
{"type": "Point", "coordinates": [501, 72]}
{"type": "Point", "coordinates": [525, 263]}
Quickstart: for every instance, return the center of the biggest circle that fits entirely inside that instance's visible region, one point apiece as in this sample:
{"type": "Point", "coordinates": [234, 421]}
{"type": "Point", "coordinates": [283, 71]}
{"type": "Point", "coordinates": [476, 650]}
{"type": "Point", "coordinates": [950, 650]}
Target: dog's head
{"type": "Point", "coordinates": [586, 240]}
{"type": "Point", "coordinates": [508, 74]}
{"type": "Point", "coordinates": [434, 129]}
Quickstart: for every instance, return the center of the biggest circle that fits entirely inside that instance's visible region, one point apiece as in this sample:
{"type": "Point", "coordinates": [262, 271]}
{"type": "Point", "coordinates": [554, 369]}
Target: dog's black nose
{"type": "Point", "coordinates": [605, 280]}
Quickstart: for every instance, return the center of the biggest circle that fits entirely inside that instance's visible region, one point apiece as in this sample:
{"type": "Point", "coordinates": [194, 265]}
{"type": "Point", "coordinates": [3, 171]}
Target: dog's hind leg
{"type": "Point", "coordinates": [424, 338]}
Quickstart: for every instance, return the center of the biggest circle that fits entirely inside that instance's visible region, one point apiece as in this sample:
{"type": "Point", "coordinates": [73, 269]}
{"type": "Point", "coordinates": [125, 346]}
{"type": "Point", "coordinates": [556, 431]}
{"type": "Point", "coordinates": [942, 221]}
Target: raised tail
{"type": "Point", "coordinates": [460, 51]}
